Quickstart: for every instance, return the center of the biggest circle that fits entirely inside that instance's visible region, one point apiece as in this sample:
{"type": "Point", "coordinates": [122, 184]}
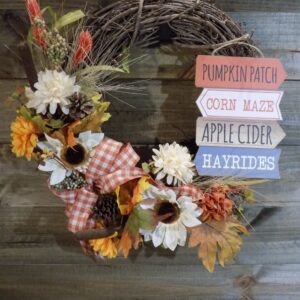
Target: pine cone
{"type": "Point", "coordinates": [106, 209]}
{"type": "Point", "coordinates": [80, 107]}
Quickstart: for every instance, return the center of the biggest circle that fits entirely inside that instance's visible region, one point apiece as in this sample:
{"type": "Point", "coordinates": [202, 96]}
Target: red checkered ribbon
{"type": "Point", "coordinates": [192, 191]}
{"type": "Point", "coordinates": [113, 164]}
{"type": "Point", "coordinates": [185, 190]}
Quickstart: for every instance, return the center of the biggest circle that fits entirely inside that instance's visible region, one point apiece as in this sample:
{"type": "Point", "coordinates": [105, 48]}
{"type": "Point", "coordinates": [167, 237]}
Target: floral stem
{"type": "Point", "coordinates": [28, 64]}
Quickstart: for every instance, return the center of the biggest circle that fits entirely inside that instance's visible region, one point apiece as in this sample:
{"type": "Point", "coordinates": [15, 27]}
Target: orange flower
{"type": "Point", "coordinates": [107, 247]}
{"type": "Point", "coordinates": [33, 9]}
{"type": "Point", "coordinates": [215, 203]}
{"type": "Point", "coordinates": [24, 137]}
{"type": "Point", "coordinates": [84, 47]}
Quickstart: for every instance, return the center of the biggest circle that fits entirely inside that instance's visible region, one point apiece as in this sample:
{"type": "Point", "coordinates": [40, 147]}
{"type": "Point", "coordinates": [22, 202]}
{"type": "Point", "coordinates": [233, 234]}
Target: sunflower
{"type": "Point", "coordinates": [108, 246]}
{"type": "Point", "coordinates": [24, 137]}
{"type": "Point", "coordinates": [183, 213]}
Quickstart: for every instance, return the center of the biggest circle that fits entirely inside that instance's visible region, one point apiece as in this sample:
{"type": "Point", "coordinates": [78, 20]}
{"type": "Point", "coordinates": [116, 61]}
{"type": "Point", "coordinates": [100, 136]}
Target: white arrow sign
{"type": "Point", "coordinates": [240, 104]}
{"type": "Point", "coordinates": [238, 133]}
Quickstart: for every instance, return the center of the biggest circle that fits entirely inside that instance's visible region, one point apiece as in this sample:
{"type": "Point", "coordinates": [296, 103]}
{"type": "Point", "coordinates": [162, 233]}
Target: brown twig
{"type": "Point", "coordinates": [26, 57]}
{"type": "Point", "coordinates": [195, 24]}
{"type": "Point", "coordinates": [137, 24]}
{"type": "Point", "coordinates": [92, 234]}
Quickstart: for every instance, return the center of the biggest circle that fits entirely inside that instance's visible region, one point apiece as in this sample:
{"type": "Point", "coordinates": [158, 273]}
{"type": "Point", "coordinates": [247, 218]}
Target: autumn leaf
{"type": "Point", "coordinates": [95, 120]}
{"type": "Point", "coordinates": [59, 135]}
{"type": "Point", "coordinates": [43, 124]}
{"type": "Point", "coordinates": [128, 241]}
{"type": "Point", "coordinates": [139, 219]}
{"type": "Point", "coordinates": [71, 140]}
{"type": "Point", "coordinates": [217, 239]}
{"type": "Point", "coordinates": [124, 195]}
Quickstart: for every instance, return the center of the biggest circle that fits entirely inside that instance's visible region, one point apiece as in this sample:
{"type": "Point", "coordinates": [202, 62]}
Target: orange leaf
{"type": "Point", "coordinates": [59, 135]}
{"type": "Point", "coordinates": [128, 242]}
{"type": "Point", "coordinates": [217, 238]}
{"type": "Point", "coordinates": [71, 140]}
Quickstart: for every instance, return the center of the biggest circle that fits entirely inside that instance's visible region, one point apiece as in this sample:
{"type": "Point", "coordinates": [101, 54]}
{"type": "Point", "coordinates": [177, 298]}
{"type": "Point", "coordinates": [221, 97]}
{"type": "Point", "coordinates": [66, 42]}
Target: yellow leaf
{"type": "Point", "coordinates": [217, 238]}
{"type": "Point", "coordinates": [96, 98]}
{"type": "Point", "coordinates": [124, 196]}
{"type": "Point", "coordinates": [95, 120]}
{"type": "Point", "coordinates": [130, 193]}
{"type": "Point", "coordinates": [142, 186]}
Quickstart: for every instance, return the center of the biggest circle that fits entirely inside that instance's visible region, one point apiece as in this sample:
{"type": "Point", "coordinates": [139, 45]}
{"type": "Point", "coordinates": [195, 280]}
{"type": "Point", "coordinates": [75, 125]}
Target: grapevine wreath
{"type": "Point", "coordinates": [115, 204]}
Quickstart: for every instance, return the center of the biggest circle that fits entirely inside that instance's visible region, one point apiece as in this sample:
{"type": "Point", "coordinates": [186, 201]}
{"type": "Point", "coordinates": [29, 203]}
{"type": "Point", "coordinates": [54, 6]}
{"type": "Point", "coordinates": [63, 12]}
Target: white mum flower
{"type": "Point", "coordinates": [183, 213]}
{"type": "Point", "coordinates": [52, 89]}
{"type": "Point", "coordinates": [72, 158]}
{"type": "Point", "coordinates": [174, 162]}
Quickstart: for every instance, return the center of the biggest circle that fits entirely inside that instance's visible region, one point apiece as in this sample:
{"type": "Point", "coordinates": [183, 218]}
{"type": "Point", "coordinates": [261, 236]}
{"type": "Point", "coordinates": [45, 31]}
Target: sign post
{"type": "Point", "coordinates": [239, 72]}
{"type": "Point", "coordinates": [242, 104]}
{"type": "Point", "coordinates": [238, 133]}
{"type": "Point", "coordinates": [238, 162]}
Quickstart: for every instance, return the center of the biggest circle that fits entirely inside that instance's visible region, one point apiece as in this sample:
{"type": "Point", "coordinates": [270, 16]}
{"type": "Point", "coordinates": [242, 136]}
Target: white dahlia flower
{"type": "Point", "coordinates": [52, 89]}
{"type": "Point", "coordinates": [174, 162]}
{"type": "Point", "coordinates": [71, 158]}
{"type": "Point", "coordinates": [183, 212]}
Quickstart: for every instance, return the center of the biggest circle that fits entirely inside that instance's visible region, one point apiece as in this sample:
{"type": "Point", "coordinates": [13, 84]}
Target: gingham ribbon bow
{"type": "Point", "coordinates": [113, 164]}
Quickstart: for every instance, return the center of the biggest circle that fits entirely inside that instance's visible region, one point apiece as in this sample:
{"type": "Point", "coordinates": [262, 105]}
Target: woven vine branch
{"type": "Point", "coordinates": [191, 24]}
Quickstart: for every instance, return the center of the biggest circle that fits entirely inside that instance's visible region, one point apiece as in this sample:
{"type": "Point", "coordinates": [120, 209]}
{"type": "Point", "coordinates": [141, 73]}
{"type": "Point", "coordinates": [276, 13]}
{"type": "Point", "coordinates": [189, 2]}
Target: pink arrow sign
{"type": "Point", "coordinates": [240, 104]}
{"type": "Point", "coordinates": [239, 72]}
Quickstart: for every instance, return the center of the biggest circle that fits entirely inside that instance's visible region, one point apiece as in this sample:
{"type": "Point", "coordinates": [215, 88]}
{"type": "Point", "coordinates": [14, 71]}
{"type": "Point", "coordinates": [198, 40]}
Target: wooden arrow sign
{"type": "Point", "coordinates": [239, 72]}
{"type": "Point", "coordinates": [250, 134]}
{"type": "Point", "coordinates": [238, 162]}
{"type": "Point", "coordinates": [241, 104]}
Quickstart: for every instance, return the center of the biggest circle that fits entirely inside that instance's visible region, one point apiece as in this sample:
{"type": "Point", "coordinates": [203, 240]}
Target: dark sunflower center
{"type": "Point", "coordinates": [75, 155]}
{"type": "Point", "coordinates": [165, 208]}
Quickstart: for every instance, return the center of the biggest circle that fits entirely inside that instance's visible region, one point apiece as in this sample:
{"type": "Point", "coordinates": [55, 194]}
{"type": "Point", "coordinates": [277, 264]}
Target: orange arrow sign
{"type": "Point", "coordinates": [239, 72]}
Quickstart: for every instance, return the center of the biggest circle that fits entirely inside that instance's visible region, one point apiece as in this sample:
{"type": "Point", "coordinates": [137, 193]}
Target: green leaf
{"type": "Point", "coordinates": [249, 195]}
{"type": "Point", "coordinates": [56, 124]}
{"type": "Point", "coordinates": [145, 167]}
{"type": "Point", "coordinates": [100, 68]}
{"type": "Point", "coordinates": [69, 18]}
{"type": "Point", "coordinates": [40, 123]}
{"type": "Point", "coordinates": [43, 124]}
{"type": "Point", "coordinates": [125, 60]}
{"type": "Point", "coordinates": [25, 112]}
{"type": "Point", "coordinates": [141, 219]}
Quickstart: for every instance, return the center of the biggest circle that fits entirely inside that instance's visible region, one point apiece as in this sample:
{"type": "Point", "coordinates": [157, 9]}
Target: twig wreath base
{"type": "Point", "coordinates": [191, 24]}
{"type": "Point", "coordinates": [113, 203]}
